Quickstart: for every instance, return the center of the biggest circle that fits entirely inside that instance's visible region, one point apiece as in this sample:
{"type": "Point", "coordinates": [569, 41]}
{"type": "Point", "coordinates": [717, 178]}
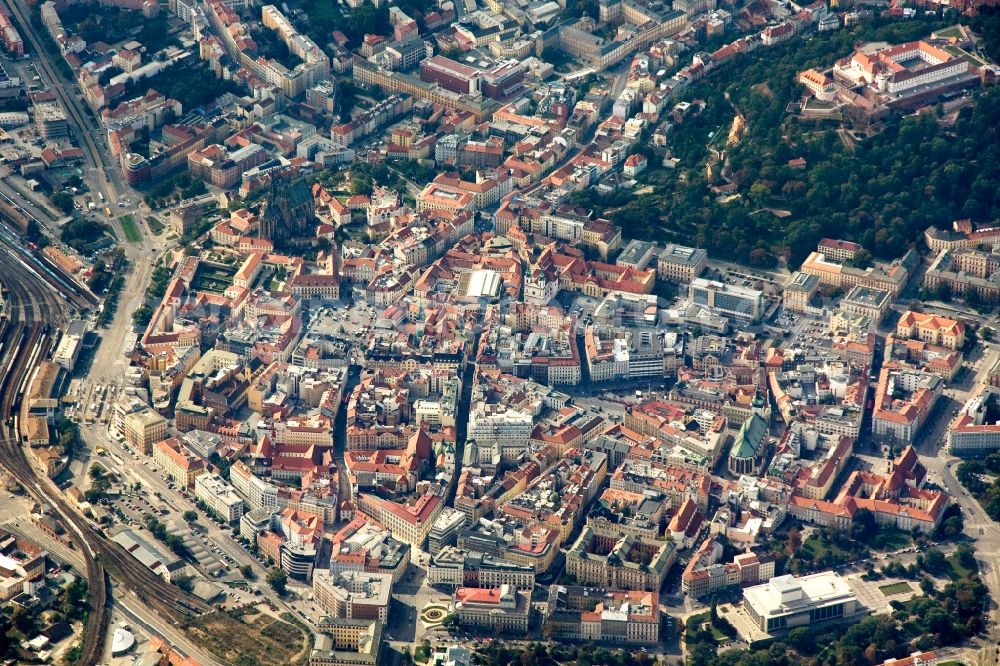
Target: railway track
{"type": "Point", "coordinates": [63, 283]}
{"type": "Point", "coordinates": [17, 338]}
{"type": "Point", "coordinates": [25, 336]}
{"type": "Point", "coordinates": [16, 217]}
{"type": "Point", "coordinates": [94, 155]}
{"type": "Point", "coordinates": [24, 340]}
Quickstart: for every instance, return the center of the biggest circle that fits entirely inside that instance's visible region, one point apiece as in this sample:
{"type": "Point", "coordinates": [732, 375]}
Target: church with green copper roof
{"type": "Point", "coordinates": [749, 446]}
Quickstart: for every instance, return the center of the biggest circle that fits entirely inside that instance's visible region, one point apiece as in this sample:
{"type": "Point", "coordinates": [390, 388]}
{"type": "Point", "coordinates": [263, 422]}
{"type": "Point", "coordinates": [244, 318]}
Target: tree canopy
{"type": "Point", "coordinates": [882, 191]}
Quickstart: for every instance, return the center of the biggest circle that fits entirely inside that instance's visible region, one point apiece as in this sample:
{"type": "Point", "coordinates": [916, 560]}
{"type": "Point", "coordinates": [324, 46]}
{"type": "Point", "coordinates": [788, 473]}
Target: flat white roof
{"type": "Point", "coordinates": [484, 282]}
{"type": "Point", "coordinates": [781, 594]}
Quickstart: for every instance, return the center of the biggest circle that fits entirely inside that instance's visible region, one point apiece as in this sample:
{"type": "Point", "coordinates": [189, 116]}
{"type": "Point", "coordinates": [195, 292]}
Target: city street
{"type": "Point", "coordinates": [139, 469]}
{"type": "Point", "coordinates": [980, 528]}
{"type": "Point", "coordinates": [258, 142]}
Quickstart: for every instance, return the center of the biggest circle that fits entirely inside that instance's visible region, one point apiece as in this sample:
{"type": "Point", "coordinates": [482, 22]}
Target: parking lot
{"type": "Point", "coordinates": [350, 323]}
{"type": "Point", "coordinates": [804, 332]}
{"type": "Point", "coordinates": [210, 557]}
{"type": "Point", "coordinates": [247, 547]}
{"type": "Point", "coordinates": [133, 507]}
{"type": "Point", "coordinates": [579, 305]}
{"type": "Point", "coordinates": [136, 502]}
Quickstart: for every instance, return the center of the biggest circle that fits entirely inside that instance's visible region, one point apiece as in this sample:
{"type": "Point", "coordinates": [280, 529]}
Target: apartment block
{"type": "Point", "coordinates": [178, 462]}
{"type": "Point", "coordinates": [603, 615]}
{"type": "Point", "coordinates": [678, 263]}
{"type": "Point", "coordinates": [143, 429]}
{"type": "Point", "coordinates": [410, 523]}
{"type": "Point", "coordinates": [504, 610]}
{"type": "Point", "coordinates": [727, 299]}
{"type": "Point", "coordinates": [445, 530]}
{"type": "Point", "coordinates": [940, 331]}
{"type": "Point", "coordinates": [453, 566]}
{"type": "Point", "coordinates": [630, 562]}
{"type": "Point", "coordinates": [345, 642]}
{"type": "Point", "coordinates": [219, 497]}
{"type": "Point", "coordinates": [353, 595]}
{"type": "Point", "coordinates": [976, 429]}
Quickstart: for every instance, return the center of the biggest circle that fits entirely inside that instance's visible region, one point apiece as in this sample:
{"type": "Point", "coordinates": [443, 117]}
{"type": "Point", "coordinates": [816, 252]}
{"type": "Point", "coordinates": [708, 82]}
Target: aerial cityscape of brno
{"type": "Point", "coordinates": [500, 332]}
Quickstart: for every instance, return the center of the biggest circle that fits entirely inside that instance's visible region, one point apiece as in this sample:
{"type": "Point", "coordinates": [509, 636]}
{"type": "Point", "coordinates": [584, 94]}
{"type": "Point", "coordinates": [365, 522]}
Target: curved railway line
{"type": "Point", "coordinates": [38, 295]}
{"type": "Point", "coordinates": [64, 285]}
{"type": "Point", "coordinates": [18, 337]}
{"type": "Point", "coordinates": [25, 339]}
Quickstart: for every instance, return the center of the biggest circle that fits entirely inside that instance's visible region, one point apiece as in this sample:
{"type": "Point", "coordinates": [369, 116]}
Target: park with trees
{"type": "Point", "coordinates": [945, 614]}
{"type": "Point", "coordinates": [882, 188]}
{"type": "Point", "coordinates": [982, 479]}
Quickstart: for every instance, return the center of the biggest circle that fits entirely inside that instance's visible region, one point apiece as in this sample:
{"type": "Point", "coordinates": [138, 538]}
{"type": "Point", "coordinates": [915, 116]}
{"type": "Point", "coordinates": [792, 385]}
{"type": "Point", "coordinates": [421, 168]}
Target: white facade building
{"type": "Point", "coordinates": [219, 496]}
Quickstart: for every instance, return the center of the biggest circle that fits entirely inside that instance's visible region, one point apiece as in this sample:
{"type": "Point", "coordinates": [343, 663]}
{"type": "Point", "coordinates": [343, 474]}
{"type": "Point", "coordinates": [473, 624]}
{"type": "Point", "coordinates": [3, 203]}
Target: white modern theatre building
{"type": "Point", "coordinates": [786, 602]}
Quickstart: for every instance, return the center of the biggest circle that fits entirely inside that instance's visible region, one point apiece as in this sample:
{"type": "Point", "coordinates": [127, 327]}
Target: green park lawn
{"type": "Point", "coordinates": [895, 588]}
{"type": "Point", "coordinates": [131, 229]}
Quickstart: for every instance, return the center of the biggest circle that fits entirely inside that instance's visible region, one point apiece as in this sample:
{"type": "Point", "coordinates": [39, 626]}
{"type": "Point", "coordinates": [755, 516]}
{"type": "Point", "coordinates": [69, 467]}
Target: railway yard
{"type": "Point", "coordinates": [35, 299]}
{"type": "Point", "coordinates": [373, 334]}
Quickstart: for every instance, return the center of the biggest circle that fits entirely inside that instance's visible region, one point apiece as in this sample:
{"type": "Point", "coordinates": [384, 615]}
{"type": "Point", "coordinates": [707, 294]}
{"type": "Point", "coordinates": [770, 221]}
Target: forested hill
{"type": "Point", "coordinates": [882, 191]}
